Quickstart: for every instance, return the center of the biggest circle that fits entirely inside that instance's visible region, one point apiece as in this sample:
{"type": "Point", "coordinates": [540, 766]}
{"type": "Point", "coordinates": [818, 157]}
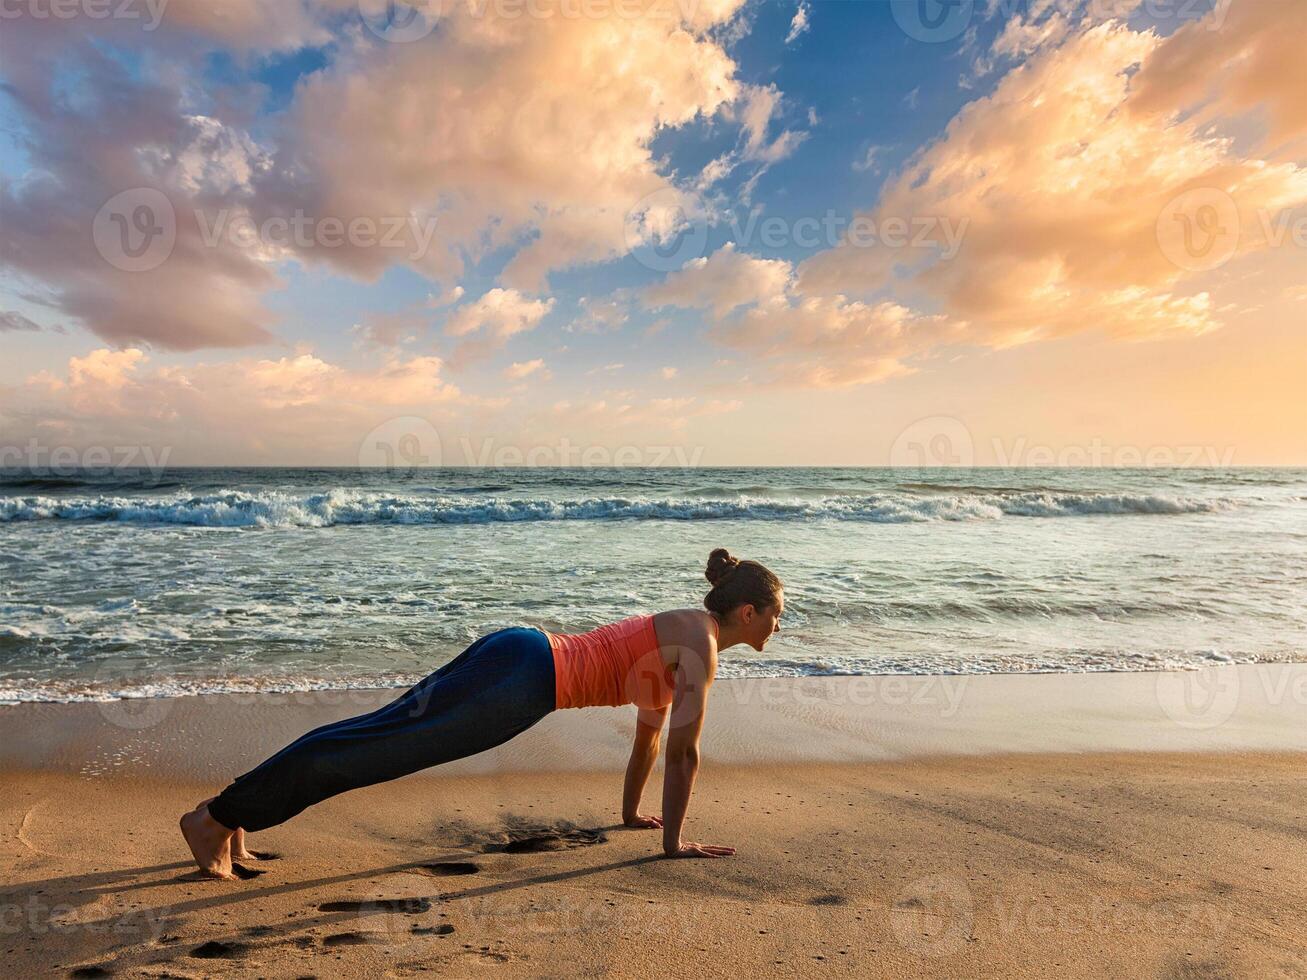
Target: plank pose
{"type": "Point", "coordinates": [501, 685]}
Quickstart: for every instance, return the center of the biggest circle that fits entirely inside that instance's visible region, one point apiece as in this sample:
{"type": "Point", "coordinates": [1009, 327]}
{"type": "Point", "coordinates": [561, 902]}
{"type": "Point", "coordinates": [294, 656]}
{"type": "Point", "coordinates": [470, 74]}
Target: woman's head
{"type": "Point", "coordinates": [746, 594]}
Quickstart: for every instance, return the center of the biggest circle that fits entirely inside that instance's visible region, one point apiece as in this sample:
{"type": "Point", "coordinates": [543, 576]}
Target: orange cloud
{"type": "Point", "coordinates": [1064, 177]}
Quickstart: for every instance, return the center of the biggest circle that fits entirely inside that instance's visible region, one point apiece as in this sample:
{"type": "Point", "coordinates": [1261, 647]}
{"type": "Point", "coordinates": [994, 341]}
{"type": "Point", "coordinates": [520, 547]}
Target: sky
{"type": "Point", "coordinates": [653, 232]}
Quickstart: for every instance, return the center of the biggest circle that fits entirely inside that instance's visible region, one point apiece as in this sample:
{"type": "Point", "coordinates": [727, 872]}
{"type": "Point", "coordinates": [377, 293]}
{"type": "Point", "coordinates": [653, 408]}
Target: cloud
{"type": "Point", "coordinates": [799, 24]}
{"type": "Point", "coordinates": [521, 369]}
{"type": "Point", "coordinates": [618, 409]}
{"type": "Point", "coordinates": [508, 144]}
{"type": "Point", "coordinates": [298, 408]}
{"type": "Point", "coordinates": [759, 105]}
{"type": "Point", "coordinates": [500, 313]}
{"type": "Point", "coordinates": [833, 342]}
{"type": "Point", "coordinates": [867, 162]}
{"type": "Point", "coordinates": [1244, 57]}
{"type": "Point", "coordinates": [390, 329]}
{"type": "Point", "coordinates": [506, 147]}
{"type": "Point", "coordinates": [602, 315]}
{"type": "Point", "coordinates": [721, 282]}
{"type": "Point", "coordinates": [1064, 177]}
{"type": "Point", "coordinates": [105, 369]}
{"type": "Point", "coordinates": [11, 321]}
{"type": "Point", "coordinates": [801, 340]}
{"type": "Point", "coordinates": [99, 128]}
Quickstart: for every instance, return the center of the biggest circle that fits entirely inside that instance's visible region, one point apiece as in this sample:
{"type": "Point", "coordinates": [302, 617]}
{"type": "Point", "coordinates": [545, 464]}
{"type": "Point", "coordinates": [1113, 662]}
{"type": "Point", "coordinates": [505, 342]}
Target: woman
{"type": "Point", "coordinates": [500, 686]}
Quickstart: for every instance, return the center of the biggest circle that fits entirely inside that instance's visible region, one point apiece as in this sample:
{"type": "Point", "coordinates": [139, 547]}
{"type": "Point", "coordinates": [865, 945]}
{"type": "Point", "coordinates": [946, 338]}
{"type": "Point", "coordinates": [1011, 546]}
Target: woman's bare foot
{"type": "Point", "coordinates": [238, 851]}
{"type": "Point", "coordinates": [209, 841]}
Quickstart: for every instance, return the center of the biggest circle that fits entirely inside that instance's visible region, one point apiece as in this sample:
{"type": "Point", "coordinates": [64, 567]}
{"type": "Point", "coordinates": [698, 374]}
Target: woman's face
{"type": "Point", "coordinates": [761, 624]}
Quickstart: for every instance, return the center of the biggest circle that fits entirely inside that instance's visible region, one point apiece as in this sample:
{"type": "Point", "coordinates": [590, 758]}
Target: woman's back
{"type": "Point", "coordinates": [617, 663]}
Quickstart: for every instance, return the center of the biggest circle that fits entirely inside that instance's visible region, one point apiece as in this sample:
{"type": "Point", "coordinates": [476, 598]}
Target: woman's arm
{"type": "Point", "coordinates": [682, 763]}
{"type": "Point", "coordinates": [644, 753]}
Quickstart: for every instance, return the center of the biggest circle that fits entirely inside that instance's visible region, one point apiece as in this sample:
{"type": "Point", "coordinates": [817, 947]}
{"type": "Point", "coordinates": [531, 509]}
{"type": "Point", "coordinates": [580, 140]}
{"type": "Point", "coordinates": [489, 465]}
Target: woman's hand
{"type": "Point", "coordinates": [643, 822]}
{"type": "Point", "coordinates": [689, 849]}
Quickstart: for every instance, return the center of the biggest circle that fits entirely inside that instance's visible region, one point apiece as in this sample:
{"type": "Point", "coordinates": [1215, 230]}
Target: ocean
{"type": "Point", "coordinates": [145, 584]}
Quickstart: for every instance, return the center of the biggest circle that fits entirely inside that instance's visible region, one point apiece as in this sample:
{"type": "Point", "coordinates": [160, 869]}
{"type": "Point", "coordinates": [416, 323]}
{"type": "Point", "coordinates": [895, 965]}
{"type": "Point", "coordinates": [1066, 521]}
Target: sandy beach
{"type": "Point", "coordinates": [1086, 825]}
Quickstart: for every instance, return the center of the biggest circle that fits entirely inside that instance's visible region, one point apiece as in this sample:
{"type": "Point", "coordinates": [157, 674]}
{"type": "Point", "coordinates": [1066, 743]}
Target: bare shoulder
{"type": "Point", "coordinates": [687, 633]}
{"type": "Point", "coordinates": [685, 627]}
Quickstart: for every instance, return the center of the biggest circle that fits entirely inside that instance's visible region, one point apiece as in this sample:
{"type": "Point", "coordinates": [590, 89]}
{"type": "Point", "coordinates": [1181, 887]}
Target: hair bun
{"type": "Point", "coordinates": [720, 564]}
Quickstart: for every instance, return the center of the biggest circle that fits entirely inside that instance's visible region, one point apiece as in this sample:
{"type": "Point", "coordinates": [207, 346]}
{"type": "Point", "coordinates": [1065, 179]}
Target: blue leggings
{"type": "Point", "coordinates": [497, 688]}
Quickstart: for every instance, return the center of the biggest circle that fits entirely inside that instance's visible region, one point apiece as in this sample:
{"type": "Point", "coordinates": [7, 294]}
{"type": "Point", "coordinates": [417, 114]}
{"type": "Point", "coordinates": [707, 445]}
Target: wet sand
{"type": "Point", "coordinates": [864, 847]}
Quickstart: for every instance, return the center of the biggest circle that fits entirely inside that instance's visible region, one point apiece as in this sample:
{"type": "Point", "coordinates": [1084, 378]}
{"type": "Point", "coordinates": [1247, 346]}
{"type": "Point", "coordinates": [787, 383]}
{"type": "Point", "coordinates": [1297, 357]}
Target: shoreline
{"type": "Point", "coordinates": [751, 721]}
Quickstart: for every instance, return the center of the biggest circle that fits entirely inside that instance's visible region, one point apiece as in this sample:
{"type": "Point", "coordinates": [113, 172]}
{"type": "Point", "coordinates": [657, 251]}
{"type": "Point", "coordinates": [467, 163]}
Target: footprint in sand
{"type": "Point", "coordinates": [444, 929]}
{"type": "Point", "coordinates": [533, 840]}
{"type": "Point", "coordinates": [524, 836]}
{"type": "Point", "coordinates": [345, 939]}
{"type": "Point", "coordinates": [91, 971]}
{"type": "Point", "coordinates": [831, 899]}
{"type": "Point", "coordinates": [445, 869]}
{"type": "Point", "coordinates": [406, 906]}
{"type": "Point", "coordinates": [217, 949]}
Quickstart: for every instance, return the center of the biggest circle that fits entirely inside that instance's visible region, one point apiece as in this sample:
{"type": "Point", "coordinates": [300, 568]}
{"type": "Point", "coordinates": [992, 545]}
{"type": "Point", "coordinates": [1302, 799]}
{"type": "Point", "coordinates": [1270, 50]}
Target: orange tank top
{"type": "Point", "coordinates": [616, 664]}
